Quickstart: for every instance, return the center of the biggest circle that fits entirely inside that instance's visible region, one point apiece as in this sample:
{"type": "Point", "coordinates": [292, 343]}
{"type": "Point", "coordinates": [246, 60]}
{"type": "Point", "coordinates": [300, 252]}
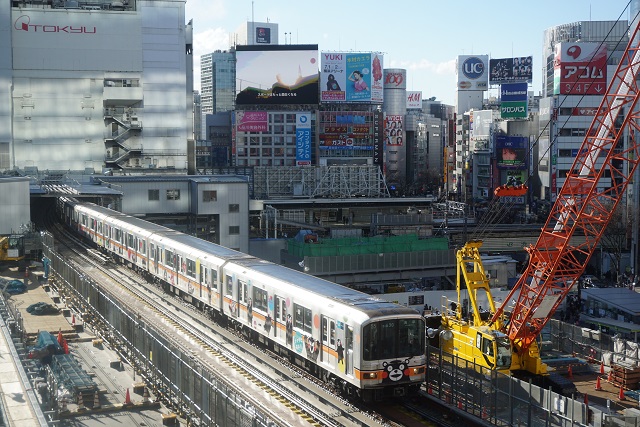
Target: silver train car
{"type": "Point", "coordinates": [368, 347]}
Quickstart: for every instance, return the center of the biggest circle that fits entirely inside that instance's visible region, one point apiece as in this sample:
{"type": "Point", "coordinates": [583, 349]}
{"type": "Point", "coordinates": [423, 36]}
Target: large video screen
{"type": "Point", "coordinates": [277, 74]}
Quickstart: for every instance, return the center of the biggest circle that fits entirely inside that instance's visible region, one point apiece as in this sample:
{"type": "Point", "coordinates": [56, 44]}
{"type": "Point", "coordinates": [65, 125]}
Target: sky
{"type": "Point", "coordinates": [422, 36]}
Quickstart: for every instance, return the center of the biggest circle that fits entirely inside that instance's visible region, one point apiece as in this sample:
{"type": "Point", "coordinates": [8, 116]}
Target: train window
{"type": "Point", "coordinates": [130, 242]}
{"type": "Point", "coordinates": [191, 268]}
{"type": "Point", "coordinates": [93, 224]}
{"type": "Point", "coordinates": [259, 298]}
{"type": "Point", "coordinates": [229, 285]}
{"type": "Point", "coordinates": [168, 258]}
{"type": "Point", "coordinates": [84, 220]}
{"type": "Point", "coordinates": [243, 291]}
{"type": "Point", "coordinates": [143, 247]}
{"type": "Point", "coordinates": [152, 255]}
{"type": "Point", "coordinates": [118, 232]}
{"type": "Point", "coordinates": [302, 318]}
{"type": "Point", "coordinates": [332, 332]}
{"type": "Point", "coordinates": [214, 278]}
{"type": "Point", "coordinates": [100, 227]}
{"type": "Point", "coordinates": [325, 330]}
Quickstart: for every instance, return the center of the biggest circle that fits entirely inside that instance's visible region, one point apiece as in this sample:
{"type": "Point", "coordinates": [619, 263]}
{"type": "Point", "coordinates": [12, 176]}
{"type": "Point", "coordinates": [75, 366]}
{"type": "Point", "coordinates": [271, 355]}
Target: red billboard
{"type": "Point", "coordinates": [580, 69]}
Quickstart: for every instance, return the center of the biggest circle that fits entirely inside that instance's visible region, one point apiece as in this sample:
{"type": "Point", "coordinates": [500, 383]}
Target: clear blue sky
{"type": "Point", "coordinates": [423, 36]}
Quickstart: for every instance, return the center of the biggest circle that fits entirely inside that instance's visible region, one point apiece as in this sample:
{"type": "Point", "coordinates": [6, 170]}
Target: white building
{"type": "Point", "coordinates": [88, 86]}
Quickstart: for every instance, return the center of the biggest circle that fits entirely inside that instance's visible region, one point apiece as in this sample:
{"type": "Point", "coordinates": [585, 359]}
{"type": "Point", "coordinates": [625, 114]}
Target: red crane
{"type": "Point", "coordinates": [557, 261]}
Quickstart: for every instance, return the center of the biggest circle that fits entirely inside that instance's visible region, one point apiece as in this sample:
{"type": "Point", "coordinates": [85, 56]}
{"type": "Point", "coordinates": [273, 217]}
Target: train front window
{"type": "Point", "coordinates": [392, 339]}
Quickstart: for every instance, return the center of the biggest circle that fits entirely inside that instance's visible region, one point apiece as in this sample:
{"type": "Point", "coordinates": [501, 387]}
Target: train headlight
{"type": "Point", "coordinates": [370, 376]}
{"type": "Point", "coordinates": [418, 371]}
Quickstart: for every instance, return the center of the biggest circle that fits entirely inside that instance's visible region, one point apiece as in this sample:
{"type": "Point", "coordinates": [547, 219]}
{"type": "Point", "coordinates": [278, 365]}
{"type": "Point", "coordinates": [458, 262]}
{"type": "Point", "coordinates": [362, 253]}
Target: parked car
{"type": "Point", "coordinates": [42, 308]}
{"type": "Point", "coordinates": [15, 287]}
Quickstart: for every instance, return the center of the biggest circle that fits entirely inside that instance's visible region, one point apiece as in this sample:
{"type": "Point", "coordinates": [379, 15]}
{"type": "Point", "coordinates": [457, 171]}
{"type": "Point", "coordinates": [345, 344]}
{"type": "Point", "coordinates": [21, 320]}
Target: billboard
{"type": "Point", "coordinates": [54, 39]}
{"type": "Point", "coordinates": [511, 152]}
{"type": "Point", "coordinates": [414, 99]}
{"type": "Point", "coordinates": [513, 92]}
{"type": "Point", "coordinates": [252, 121]}
{"type": "Point", "coordinates": [351, 77]}
{"type": "Point", "coordinates": [277, 74]}
{"type": "Point", "coordinates": [393, 129]}
{"type": "Point", "coordinates": [472, 72]}
{"type": "Point", "coordinates": [514, 110]}
{"type": "Point", "coordinates": [263, 35]}
{"type": "Point", "coordinates": [303, 139]}
{"type": "Point", "coordinates": [507, 70]}
{"type": "Point", "coordinates": [580, 69]}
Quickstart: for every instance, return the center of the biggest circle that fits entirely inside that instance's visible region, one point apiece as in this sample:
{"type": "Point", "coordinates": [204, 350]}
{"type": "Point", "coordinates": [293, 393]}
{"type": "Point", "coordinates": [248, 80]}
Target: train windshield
{"type": "Point", "coordinates": [393, 339]}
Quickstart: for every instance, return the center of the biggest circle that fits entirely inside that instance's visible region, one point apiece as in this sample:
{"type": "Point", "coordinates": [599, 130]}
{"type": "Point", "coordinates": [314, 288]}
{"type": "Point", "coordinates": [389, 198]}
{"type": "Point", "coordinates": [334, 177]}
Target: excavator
{"type": "Point", "coordinates": [11, 248]}
{"type": "Point", "coordinates": [504, 338]}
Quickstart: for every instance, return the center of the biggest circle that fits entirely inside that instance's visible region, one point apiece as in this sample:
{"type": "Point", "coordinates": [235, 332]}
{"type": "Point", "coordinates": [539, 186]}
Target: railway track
{"type": "Point", "coordinates": [292, 386]}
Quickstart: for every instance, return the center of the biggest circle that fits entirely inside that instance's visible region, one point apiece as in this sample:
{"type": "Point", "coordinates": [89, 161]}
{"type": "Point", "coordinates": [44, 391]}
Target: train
{"type": "Point", "coordinates": [366, 347]}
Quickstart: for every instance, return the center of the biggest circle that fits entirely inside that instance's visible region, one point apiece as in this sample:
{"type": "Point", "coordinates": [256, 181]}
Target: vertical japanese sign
{"type": "Point", "coordinates": [303, 139]}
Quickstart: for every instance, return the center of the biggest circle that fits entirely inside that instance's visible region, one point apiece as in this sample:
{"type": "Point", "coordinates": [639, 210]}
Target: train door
{"type": "Point", "coordinates": [202, 278]}
{"type": "Point", "coordinates": [348, 363]}
{"type": "Point", "coordinates": [232, 294]}
{"type": "Point", "coordinates": [278, 315]}
{"type": "Point", "coordinates": [328, 338]}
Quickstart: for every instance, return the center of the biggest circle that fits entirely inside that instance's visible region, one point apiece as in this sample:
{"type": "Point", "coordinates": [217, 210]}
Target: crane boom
{"type": "Point", "coordinates": [556, 262]}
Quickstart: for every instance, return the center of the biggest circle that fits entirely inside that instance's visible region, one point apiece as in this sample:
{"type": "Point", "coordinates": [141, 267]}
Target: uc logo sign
{"type": "Point", "coordinates": [473, 68]}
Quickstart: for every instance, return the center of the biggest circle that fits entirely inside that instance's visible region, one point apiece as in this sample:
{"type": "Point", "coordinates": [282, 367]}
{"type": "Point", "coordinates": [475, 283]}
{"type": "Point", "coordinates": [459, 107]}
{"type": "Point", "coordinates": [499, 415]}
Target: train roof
{"type": "Point", "coordinates": [371, 305]}
{"type": "Point", "coordinates": [201, 245]}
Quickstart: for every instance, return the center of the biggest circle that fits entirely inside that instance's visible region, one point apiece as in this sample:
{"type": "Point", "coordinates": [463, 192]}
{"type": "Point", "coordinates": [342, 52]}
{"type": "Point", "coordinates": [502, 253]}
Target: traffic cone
{"type": "Point", "coordinates": [60, 337]}
{"type": "Point", "coordinates": [621, 394]}
{"type": "Point", "coordinates": [610, 376]}
{"type": "Point", "coordinates": [145, 395]}
{"type": "Point", "coordinates": [73, 320]}
{"type": "Point", "coordinates": [598, 386]}
{"type": "Point", "coordinates": [601, 368]}
{"type": "Point", "coordinates": [459, 404]}
{"type": "Point", "coordinates": [484, 414]}
{"type": "Point", "coordinates": [429, 389]}
{"type": "Point", "coordinates": [570, 373]}
{"type": "Point", "coordinates": [80, 402]}
{"type": "Point", "coordinates": [96, 400]}
{"type": "Point", "coordinates": [127, 398]}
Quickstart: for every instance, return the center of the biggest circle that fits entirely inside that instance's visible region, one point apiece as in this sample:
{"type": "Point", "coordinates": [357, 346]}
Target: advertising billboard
{"type": "Point", "coordinates": [414, 99]}
{"type": "Point", "coordinates": [513, 92]}
{"type": "Point", "coordinates": [393, 129]}
{"type": "Point", "coordinates": [277, 74]}
{"type": "Point", "coordinates": [507, 70]}
{"type": "Point", "coordinates": [263, 35]}
{"type": "Point", "coordinates": [53, 39]}
{"type": "Point", "coordinates": [351, 77]}
{"type": "Point", "coordinates": [472, 72]}
{"type": "Point", "coordinates": [511, 152]}
{"type": "Point", "coordinates": [252, 121]}
{"type": "Point", "coordinates": [514, 110]}
{"type": "Point", "coordinates": [303, 139]}
{"type": "Point", "coordinates": [580, 69]}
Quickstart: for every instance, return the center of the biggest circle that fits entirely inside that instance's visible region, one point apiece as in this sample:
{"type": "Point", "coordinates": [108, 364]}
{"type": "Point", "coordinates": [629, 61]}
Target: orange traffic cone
{"type": "Point", "coordinates": [459, 404]}
{"type": "Point", "coordinates": [570, 373]}
{"type": "Point", "coordinates": [610, 377]}
{"type": "Point", "coordinates": [145, 395]}
{"type": "Point", "coordinates": [598, 386]}
{"type": "Point", "coordinates": [601, 367]}
{"type": "Point", "coordinates": [484, 414]}
{"type": "Point", "coordinates": [127, 398]}
{"type": "Point", "coordinates": [621, 394]}
{"type": "Point", "coordinates": [60, 338]}
{"type": "Point", "coordinates": [73, 320]}
{"type": "Point", "coordinates": [429, 389]}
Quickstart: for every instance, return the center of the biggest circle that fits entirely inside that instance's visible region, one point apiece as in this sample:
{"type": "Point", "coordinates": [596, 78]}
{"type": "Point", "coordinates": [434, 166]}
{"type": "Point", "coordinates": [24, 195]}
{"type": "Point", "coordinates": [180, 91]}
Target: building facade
{"type": "Point", "coordinates": [111, 94]}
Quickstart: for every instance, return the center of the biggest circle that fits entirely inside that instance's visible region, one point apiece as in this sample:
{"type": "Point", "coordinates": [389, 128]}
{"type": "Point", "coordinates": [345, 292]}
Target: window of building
{"type": "Point", "coordinates": [154, 195]}
{"type": "Point", "coordinates": [234, 229]}
{"type": "Point", "coordinates": [234, 208]}
{"type": "Point", "coordinates": [209, 195]}
{"type": "Point", "coordinates": [173, 194]}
